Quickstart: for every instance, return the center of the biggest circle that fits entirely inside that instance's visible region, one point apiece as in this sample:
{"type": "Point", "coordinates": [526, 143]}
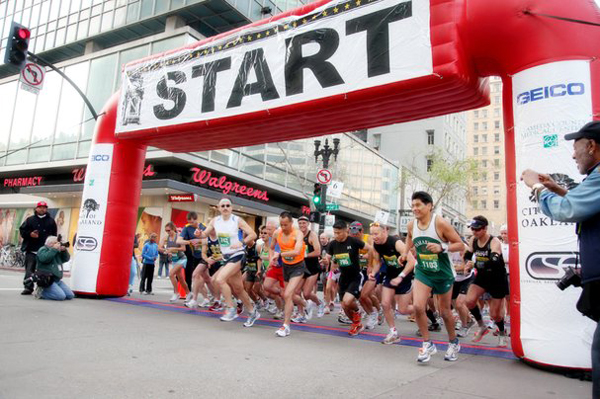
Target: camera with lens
{"type": "Point", "coordinates": [65, 244]}
{"type": "Point", "coordinates": [571, 278]}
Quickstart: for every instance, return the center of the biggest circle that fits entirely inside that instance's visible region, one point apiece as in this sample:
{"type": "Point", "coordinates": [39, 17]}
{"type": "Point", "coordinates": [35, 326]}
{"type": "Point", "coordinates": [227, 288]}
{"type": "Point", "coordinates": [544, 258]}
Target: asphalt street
{"type": "Point", "coordinates": [145, 347]}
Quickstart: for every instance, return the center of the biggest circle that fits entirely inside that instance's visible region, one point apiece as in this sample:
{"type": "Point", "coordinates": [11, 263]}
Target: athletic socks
{"type": "Point", "coordinates": [500, 325]}
{"type": "Point", "coordinates": [477, 314]}
{"type": "Point", "coordinates": [431, 316]}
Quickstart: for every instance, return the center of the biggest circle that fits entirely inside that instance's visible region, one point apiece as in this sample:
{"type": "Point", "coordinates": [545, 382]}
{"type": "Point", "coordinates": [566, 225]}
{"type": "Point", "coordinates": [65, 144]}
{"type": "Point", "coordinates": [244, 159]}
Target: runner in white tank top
{"type": "Point", "coordinates": [229, 277]}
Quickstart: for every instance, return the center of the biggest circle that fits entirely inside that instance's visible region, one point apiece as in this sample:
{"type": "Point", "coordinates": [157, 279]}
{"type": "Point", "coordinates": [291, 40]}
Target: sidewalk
{"type": "Point", "coordinates": [145, 347]}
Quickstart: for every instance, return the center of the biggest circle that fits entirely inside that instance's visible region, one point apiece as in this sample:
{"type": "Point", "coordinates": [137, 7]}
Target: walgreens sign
{"type": "Point", "coordinates": [226, 186]}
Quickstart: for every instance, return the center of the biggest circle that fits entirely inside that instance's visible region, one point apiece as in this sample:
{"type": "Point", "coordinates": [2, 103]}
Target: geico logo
{"type": "Point", "coordinates": [99, 158]}
{"type": "Point", "coordinates": [549, 265]}
{"type": "Point", "coordinates": [558, 90]}
{"type": "Point", "coordinates": [86, 243]}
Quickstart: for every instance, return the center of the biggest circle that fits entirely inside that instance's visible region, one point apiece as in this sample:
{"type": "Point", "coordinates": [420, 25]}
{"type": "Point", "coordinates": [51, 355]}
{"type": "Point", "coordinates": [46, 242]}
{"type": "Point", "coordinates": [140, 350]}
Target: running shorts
{"type": "Point", "coordinates": [493, 281]}
{"type": "Point", "coordinates": [404, 287]}
{"type": "Point", "coordinates": [276, 273]}
{"type": "Point", "coordinates": [295, 270]}
{"type": "Point", "coordinates": [438, 286]}
{"type": "Point", "coordinates": [461, 287]}
{"type": "Point", "coordinates": [351, 284]}
{"type": "Point", "coordinates": [312, 267]}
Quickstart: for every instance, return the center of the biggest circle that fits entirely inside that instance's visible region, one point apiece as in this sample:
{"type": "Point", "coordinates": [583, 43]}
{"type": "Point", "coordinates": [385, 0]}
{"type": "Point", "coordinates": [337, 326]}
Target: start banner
{"type": "Point", "coordinates": [341, 47]}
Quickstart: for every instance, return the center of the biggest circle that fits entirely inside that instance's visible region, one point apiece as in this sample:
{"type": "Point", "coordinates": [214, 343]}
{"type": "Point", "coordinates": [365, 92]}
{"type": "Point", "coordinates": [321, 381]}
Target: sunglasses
{"type": "Point", "coordinates": [225, 206]}
{"type": "Point", "coordinates": [168, 230]}
{"type": "Point", "coordinates": [476, 228]}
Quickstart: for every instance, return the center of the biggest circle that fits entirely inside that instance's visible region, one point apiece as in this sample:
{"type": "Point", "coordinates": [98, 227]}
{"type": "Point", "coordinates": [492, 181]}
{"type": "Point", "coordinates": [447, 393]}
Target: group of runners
{"type": "Point", "coordinates": [376, 275]}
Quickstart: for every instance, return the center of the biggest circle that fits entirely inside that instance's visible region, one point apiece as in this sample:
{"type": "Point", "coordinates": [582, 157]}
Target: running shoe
{"type": "Point", "coordinates": [278, 315]}
{"type": "Point", "coordinates": [216, 307]}
{"type": "Point", "coordinates": [463, 332]}
{"type": "Point", "coordinates": [480, 334]}
{"type": "Point", "coordinates": [310, 309]}
{"type": "Point", "coordinates": [321, 310]}
{"type": "Point", "coordinates": [188, 296]}
{"type": "Point", "coordinates": [175, 298]}
{"type": "Point", "coordinates": [458, 325]}
{"type": "Point", "coordinates": [299, 319]}
{"type": "Point", "coordinates": [327, 311]}
{"type": "Point", "coordinates": [452, 352]}
{"type": "Point", "coordinates": [502, 341]}
{"type": "Point", "coordinates": [331, 306]}
{"type": "Point", "coordinates": [372, 320]}
{"type": "Point", "coordinates": [252, 318]}
{"type": "Point", "coordinates": [191, 304]}
{"type": "Point", "coordinates": [205, 303]}
{"type": "Point", "coordinates": [391, 338]}
{"type": "Point", "coordinates": [436, 327]}
{"type": "Point", "coordinates": [230, 315]}
{"type": "Point", "coordinates": [380, 317]}
{"type": "Point", "coordinates": [356, 329]}
{"type": "Point", "coordinates": [272, 308]}
{"type": "Point", "coordinates": [343, 319]}
{"type": "Point", "coordinates": [426, 351]}
{"type": "Point", "coordinates": [284, 331]}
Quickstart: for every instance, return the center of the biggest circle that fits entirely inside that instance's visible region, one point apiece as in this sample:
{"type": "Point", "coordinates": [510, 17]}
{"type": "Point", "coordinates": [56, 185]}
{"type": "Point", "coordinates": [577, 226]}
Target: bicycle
{"type": "Point", "coordinates": [11, 256]}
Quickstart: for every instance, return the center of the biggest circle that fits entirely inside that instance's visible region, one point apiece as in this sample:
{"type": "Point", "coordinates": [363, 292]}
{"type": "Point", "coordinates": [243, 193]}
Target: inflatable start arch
{"type": "Point", "coordinates": [335, 66]}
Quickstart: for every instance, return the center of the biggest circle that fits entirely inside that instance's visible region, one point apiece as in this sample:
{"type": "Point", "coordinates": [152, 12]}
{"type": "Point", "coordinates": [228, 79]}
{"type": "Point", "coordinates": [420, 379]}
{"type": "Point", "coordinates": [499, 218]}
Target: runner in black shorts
{"type": "Point", "coordinates": [251, 273]}
{"type": "Point", "coordinates": [344, 253]}
{"type": "Point", "coordinates": [311, 259]}
{"type": "Point", "coordinates": [397, 283]}
{"type": "Point", "coordinates": [211, 253]}
{"type": "Point", "coordinates": [462, 282]}
{"type": "Point", "coordinates": [490, 278]}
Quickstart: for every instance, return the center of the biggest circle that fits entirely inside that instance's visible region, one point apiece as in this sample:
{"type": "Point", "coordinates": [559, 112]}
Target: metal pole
{"type": "Point", "coordinates": [37, 59]}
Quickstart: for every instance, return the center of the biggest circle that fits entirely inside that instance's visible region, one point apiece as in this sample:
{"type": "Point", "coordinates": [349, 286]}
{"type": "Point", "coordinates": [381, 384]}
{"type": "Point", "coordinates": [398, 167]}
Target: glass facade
{"type": "Point", "coordinates": [55, 125]}
{"type": "Point", "coordinates": [55, 23]}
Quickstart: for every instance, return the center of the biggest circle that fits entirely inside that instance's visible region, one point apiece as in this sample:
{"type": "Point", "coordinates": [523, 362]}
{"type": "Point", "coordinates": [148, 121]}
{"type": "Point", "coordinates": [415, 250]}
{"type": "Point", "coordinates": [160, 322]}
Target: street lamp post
{"type": "Point", "coordinates": [326, 152]}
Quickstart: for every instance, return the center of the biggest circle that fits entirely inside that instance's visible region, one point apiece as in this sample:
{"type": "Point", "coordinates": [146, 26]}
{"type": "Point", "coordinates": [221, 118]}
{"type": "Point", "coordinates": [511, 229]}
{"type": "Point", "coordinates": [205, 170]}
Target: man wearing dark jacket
{"type": "Point", "coordinates": [35, 230]}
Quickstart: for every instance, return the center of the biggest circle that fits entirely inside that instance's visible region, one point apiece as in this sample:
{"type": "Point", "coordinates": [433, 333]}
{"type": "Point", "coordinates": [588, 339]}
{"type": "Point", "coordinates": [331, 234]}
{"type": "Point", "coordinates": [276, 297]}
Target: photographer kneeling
{"type": "Point", "coordinates": [581, 205]}
{"type": "Point", "coordinates": [50, 258]}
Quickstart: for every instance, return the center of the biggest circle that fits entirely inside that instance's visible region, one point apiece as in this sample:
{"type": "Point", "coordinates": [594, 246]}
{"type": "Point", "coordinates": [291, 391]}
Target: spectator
{"type": "Point", "coordinates": [50, 258]}
{"type": "Point", "coordinates": [149, 255]}
{"type": "Point", "coordinates": [581, 205]}
{"type": "Point", "coordinates": [134, 265]}
{"type": "Point", "coordinates": [34, 231]}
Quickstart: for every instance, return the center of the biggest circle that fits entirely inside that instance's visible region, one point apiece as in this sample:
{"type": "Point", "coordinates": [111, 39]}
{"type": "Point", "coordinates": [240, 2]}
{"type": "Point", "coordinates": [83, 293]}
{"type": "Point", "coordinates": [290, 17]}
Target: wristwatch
{"type": "Point", "coordinates": [444, 247]}
{"type": "Point", "coordinates": [537, 188]}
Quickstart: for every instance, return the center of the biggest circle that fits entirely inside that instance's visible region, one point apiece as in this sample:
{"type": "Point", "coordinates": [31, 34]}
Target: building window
{"type": "Point", "coordinates": [496, 99]}
{"type": "Point", "coordinates": [483, 204]}
{"type": "Point", "coordinates": [429, 164]}
{"type": "Point", "coordinates": [496, 204]}
{"type": "Point", "coordinates": [496, 176]}
{"type": "Point", "coordinates": [496, 137]}
{"type": "Point", "coordinates": [474, 204]}
{"type": "Point", "coordinates": [476, 138]}
{"type": "Point", "coordinates": [497, 162]}
{"type": "Point", "coordinates": [475, 150]}
{"type": "Point", "coordinates": [430, 137]}
{"type": "Point", "coordinates": [484, 138]}
{"type": "Point", "coordinates": [496, 112]}
{"type": "Point", "coordinates": [496, 124]}
{"type": "Point", "coordinates": [496, 190]}
{"type": "Point", "coordinates": [497, 150]}
{"type": "Point", "coordinates": [476, 126]}
{"type": "Point", "coordinates": [476, 114]}
{"type": "Point", "coordinates": [484, 190]}
{"type": "Point", "coordinates": [484, 151]}
{"type": "Point", "coordinates": [475, 190]}
{"type": "Point", "coordinates": [484, 125]}
{"type": "Point", "coordinates": [484, 163]}
{"type": "Point", "coordinates": [484, 176]}
{"type": "Point", "coordinates": [484, 112]}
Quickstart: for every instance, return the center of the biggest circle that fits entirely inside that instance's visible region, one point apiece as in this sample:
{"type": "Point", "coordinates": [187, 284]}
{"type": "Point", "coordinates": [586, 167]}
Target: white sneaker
{"type": "Point", "coordinates": [230, 314]}
{"type": "Point", "coordinates": [452, 352]}
{"type": "Point", "coordinates": [272, 308]}
{"type": "Point", "coordinates": [252, 318]}
{"type": "Point", "coordinates": [189, 296]}
{"type": "Point", "coordinates": [191, 304]}
{"type": "Point", "coordinates": [502, 341]}
{"type": "Point", "coordinates": [391, 338]}
{"type": "Point", "coordinates": [205, 303]}
{"type": "Point", "coordinates": [426, 351]}
{"type": "Point", "coordinates": [175, 298]}
{"type": "Point", "coordinates": [321, 310]}
{"type": "Point", "coordinates": [284, 331]}
{"type": "Point", "coordinates": [278, 315]}
{"type": "Point", "coordinates": [310, 309]}
{"type": "Point", "coordinates": [372, 320]}
{"type": "Point", "coordinates": [299, 319]}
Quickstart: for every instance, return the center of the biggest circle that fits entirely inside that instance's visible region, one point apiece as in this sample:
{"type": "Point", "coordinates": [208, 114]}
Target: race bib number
{"type": "Point", "coordinates": [289, 258]}
{"type": "Point", "coordinates": [251, 266]}
{"type": "Point", "coordinates": [343, 260]}
{"type": "Point", "coordinates": [391, 261]}
{"type": "Point", "coordinates": [429, 262]}
{"type": "Point", "coordinates": [224, 240]}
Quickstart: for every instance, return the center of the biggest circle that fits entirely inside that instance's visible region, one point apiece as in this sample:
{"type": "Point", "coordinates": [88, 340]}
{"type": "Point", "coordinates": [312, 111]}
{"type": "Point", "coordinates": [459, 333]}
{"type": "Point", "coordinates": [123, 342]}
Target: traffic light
{"type": "Point", "coordinates": [16, 48]}
{"type": "Point", "coordinates": [316, 199]}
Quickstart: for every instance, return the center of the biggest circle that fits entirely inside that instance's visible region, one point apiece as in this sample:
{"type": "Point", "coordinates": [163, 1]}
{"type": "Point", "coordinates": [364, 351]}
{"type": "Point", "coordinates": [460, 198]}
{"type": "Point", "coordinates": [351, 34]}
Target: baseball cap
{"type": "Point", "coordinates": [303, 218]}
{"type": "Point", "coordinates": [478, 222]}
{"type": "Point", "coordinates": [590, 130]}
{"type": "Point", "coordinates": [41, 203]}
{"type": "Point", "coordinates": [355, 227]}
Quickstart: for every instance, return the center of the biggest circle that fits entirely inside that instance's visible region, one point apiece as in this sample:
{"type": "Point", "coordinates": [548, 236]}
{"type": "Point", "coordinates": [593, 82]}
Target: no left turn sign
{"type": "Point", "coordinates": [324, 176]}
{"type": "Point", "coordinates": [33, 76]}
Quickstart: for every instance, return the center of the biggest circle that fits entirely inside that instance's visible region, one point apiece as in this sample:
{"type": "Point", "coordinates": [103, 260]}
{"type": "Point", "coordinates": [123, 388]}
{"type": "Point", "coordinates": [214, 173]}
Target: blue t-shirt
{"type": "Point", "coordinates": [187, 233]}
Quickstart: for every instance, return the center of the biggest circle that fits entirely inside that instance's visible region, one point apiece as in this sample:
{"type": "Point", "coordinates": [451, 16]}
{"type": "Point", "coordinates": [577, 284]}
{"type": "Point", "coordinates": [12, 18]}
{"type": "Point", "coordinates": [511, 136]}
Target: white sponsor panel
{"type": "Point", "coordinates": [90, 229]}
{"type": "Point", "coordinates": [382, 217]}
{"type": "Point", "coordinates": [335, 189]}
{"type": "Point", "coordinates": [549, 101]}
{"type": "Point", "coordinates": [338, 48]}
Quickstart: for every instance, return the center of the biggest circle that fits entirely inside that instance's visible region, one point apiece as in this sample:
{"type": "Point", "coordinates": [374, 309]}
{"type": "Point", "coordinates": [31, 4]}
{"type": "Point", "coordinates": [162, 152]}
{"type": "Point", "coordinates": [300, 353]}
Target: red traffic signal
{"type": "Point", "coordinates": [16, 47]}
